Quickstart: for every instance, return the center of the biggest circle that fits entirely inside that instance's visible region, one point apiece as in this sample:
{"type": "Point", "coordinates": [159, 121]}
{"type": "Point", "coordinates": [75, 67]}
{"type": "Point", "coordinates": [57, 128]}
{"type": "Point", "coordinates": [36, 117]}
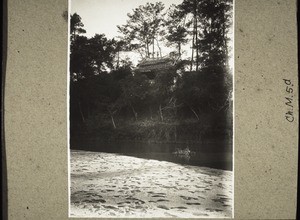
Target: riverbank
{"type": "Point", "coordinates": [210, 126]}
{"type": "Point", "coordinates": [113, 185]}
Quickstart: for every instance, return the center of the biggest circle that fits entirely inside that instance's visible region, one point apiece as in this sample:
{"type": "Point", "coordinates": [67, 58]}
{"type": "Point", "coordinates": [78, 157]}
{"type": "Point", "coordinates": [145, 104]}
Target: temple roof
{"type": "Point", "coordinates": [151, 64]}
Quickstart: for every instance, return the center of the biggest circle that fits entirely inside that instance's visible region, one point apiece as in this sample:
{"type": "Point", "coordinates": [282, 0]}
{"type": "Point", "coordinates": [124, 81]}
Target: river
{"type": "Point", "coordinates": [210, 153]}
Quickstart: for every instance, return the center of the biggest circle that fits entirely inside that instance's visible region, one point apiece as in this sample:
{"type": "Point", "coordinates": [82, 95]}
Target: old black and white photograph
{"type": "Point", "coordinates": [151, 108]}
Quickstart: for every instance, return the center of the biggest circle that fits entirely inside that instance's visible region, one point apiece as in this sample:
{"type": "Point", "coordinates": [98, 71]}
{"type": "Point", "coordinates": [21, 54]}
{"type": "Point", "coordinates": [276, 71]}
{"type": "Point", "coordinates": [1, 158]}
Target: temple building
{"type": "Point", "coordinates": [151, 66]}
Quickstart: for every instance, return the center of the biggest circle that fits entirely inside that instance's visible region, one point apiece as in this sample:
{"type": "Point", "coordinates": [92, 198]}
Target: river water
{"type": "Point", "coordinates": [212, 153]}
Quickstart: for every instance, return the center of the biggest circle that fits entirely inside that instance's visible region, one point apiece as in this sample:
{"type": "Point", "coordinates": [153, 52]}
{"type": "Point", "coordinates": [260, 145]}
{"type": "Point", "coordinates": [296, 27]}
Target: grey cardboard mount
{"type": "Point", "coordinates": [265, 136]}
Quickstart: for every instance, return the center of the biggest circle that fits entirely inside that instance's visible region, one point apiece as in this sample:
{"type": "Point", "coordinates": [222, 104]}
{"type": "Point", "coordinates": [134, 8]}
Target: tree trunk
{"type": "Point", "coordinates": [193, 45]}
{"type": "Point", "coordinates": [153, 48]}
{"type": "Point", "coordinates": [147, 49]}
{"type": "Point", "coordinates": [113, 121]}
{"type": "Point", "coordinates": [160, 113]}
{"type": "Point", "coordinates": [224, 40]}
{"type": "Point", "coordinates": [195, 113]}
{"type": "Point", "coordinates": [134, 112]}
{"type": "Point", "coordinates": [82, 117]}
{"type": "Point", "coordinates": [196, 33]}
{"type": "Point", "coordinates": [158, 47]}
{"type": "Point", "coordinates": [211, 30]}
{"type": "Point", "coordinates": [179, 49]}
{"type": "Point", "coordinates": [118, 61]}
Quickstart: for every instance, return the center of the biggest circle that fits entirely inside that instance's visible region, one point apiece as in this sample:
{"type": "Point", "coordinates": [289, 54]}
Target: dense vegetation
{"type": "Point", "coordinates": [111, 101]}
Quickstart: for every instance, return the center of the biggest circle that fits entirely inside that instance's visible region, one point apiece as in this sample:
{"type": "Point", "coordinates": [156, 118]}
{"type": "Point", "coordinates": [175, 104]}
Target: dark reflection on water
{"type": "Point", "coordinates": [214, 154]}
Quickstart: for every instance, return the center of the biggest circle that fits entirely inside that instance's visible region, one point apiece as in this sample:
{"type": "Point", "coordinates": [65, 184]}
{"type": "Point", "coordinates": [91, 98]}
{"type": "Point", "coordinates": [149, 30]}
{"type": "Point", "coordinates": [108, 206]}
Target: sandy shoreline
{"type": "Point", "coordinates": [112, 185]}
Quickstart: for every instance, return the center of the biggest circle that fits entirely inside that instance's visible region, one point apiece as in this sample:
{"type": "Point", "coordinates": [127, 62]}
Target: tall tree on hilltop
{"type": "Point", "coordinates": [143, 27]}
{"type": "Point", "coordinates": [76, 26]}
{"type": "Point", "coordinates": [120, 46]}
{"type": "Point", "coordinates": [91, 56]}
{"type": "Point", "coordinates": [210, 22]}
{"type": "Point", "coordinates": [102, 51]}
{"type": "Point", "coordinates": [216, 18]}
{"type": "Point", "coordinates": [190, 8]}
{"type": "Point", "coordinates": [176, 30]}
{"type": "Point", "coordinates": [80, 59]}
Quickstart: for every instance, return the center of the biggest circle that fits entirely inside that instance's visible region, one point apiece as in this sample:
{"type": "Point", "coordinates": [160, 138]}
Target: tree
{"type": "Point", "coordinates": [76, 26]}
{"type": "Point", "coordinates": [216, 18]}
{"type": "Point", "coordinates": [102, 52]}
{"type": "Point", "coordinates": [162, 91]}
{"type": "Point", "coordinates": [135, 89]}
{"type": "Point", "coordinates": [119, 46]}
{"type": "Point", "coordinates": [176, 30]}
{"type": "Point", "coordinates": [142, 28]}
{"type": "Point", "coordinates": [210, 23]}
{"type": "Point", "coordinates": [190, 7]}
{"type": "Point", "coordinates": [103, 91]}
{"type": "Point", "coordinates": [91, 56]}
{"type": "Point", "coordinates": [81, 63]}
